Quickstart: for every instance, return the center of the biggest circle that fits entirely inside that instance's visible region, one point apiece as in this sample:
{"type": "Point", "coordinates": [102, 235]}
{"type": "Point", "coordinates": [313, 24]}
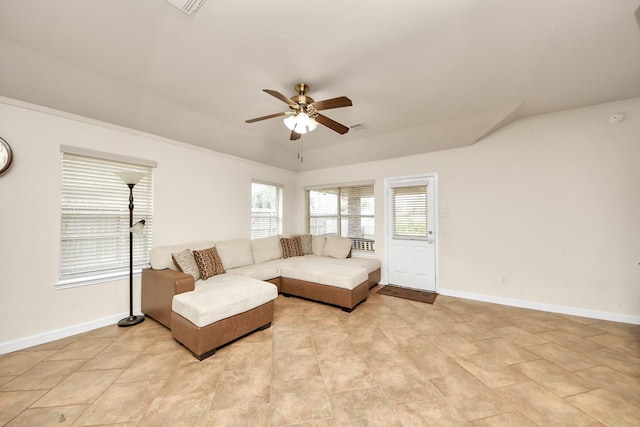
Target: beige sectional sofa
{"type": "Point", "coordinates": [206, 314]}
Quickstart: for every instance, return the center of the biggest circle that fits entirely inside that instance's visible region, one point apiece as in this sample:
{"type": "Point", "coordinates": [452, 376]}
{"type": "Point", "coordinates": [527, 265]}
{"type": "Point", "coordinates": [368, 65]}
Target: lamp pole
{"type": "Point", "coordinates": [131, 181]}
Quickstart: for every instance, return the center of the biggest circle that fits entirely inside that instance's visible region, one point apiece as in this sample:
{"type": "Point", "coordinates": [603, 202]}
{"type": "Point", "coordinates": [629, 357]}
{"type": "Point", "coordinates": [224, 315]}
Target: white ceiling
{"type": "Point", "coordinates": [423, 75]}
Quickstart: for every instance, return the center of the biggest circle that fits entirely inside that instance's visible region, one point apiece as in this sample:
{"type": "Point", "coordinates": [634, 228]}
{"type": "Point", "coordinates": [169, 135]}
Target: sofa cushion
{"type": "Point", "coordinates": [160, 257]}
{"type": "Point", "coordinates": [291, 247]}
{"type": "Point", "coordinates": [264, 271]}
{"type": "Point", "coordinates": [209, 263]}
{"type": "Point", "coordinates": [306, 239]}
{"type": "Point", "coordinates": [337, 247]}
{"type": "Point", "coordinates": [235, 253]}
{"type": "Point", "coordinates": [221, 297]}
{"type": "Point", "coordinates": [368, 263]}
{"type": "Point", "coordinates": [186, 263]}
{"type": "Point", "coordinates": [266, 249]}
{"type": "Point", "coordinates": [317, 244]}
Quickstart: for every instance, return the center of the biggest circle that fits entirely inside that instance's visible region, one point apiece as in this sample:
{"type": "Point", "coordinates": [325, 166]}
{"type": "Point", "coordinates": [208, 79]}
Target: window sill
{"type": "Point", "coordinates": [363, 254]}
{"type": "Point", "coordinates": [95, 279]}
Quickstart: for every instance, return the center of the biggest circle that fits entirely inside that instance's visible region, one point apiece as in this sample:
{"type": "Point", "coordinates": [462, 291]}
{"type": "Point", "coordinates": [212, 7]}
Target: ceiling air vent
{"type": "Point", "coordinates": [358, 127]}
{"type": "Point", "coordinates": [187, 6]}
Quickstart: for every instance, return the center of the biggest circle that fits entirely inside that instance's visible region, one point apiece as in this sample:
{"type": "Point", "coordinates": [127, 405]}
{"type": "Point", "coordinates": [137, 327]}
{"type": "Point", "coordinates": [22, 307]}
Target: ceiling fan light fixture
{"type": "Point", "coordinates": [303, 115]}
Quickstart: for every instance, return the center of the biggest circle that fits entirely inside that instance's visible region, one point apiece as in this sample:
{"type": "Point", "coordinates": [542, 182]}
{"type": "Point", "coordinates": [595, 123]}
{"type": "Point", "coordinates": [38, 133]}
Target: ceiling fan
{"type": "Point", "coordinates": [303, 115]}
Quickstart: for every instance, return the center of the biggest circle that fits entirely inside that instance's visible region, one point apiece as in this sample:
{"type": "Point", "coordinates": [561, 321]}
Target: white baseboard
{"type": "Point", "coordinates": [574, 311]}
{"type": "Point", "coordinates": [22, 343]}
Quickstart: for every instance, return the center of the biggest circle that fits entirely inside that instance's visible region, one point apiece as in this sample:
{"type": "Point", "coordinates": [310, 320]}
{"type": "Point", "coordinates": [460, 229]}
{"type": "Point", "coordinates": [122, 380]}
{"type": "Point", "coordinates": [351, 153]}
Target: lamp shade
{"type": "Point", "coordinates": [290, 122]}
{"type": "Point", "coordinates": [130, 177]}
{"type": "Point", "coordinates": [138, 227]}
{"type": "Point", "coordinates": [312, 124]}
{"type": "Point", "coordinates": [302, 119]}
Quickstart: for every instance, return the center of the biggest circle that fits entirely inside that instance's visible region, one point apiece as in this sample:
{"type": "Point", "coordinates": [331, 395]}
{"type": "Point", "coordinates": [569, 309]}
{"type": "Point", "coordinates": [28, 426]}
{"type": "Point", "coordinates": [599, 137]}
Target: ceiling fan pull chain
{"type": "Point", "coordinates": [300, 151]}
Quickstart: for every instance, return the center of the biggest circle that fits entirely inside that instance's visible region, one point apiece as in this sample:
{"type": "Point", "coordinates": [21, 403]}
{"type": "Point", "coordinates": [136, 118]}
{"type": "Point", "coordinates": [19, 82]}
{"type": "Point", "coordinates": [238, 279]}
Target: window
{"type": "Point", "coordinates": [345, 211]}
{"type": "Point", "coordinates": [94, 243]}
{"type": "Point", "coordinates": [266, 209]}
{"type": "Point", "coordinates": [409, 212]}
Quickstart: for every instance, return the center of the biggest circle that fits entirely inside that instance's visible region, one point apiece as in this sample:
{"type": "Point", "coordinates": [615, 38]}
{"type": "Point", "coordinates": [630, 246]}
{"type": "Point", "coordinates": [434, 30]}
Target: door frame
{"type": "Point", "coordinates": [387, 222]}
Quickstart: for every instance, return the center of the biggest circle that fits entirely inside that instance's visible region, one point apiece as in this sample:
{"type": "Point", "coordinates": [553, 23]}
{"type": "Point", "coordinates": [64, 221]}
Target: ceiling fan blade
{"type": "Point", "coordinates": [341, 101]}
{"type": "Point", "coordinates": [270, 116]}
{"type": "Point", "coordinates": [281, 97]}
{"type": "Point", "coordinates": [294, 135]}
{"type": "Point", "coordinates": [332, 124]}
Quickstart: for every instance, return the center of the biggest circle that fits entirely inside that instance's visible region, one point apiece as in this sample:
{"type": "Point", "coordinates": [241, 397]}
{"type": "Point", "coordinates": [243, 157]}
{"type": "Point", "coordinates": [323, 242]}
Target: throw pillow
{"type": "Point", "coordinates": [186, 263]}
{"type": "Point", "coordinates": [291, 246]}
{"type": "Point", "coordinates": [209, 263]}
{"type": "Point", "coordinates": [305, 239]}
{"type": "Point", "coordinates": [337, 247]}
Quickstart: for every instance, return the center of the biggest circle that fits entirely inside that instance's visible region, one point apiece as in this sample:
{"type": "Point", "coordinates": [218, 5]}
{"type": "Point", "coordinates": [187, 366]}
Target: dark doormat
{"type": "Point", "coordinates": [406, 293]}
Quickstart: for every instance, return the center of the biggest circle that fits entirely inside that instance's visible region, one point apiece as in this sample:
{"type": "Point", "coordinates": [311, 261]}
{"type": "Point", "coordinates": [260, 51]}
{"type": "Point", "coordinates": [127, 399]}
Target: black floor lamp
{"type": "Point", "coordinates": [131, 179]}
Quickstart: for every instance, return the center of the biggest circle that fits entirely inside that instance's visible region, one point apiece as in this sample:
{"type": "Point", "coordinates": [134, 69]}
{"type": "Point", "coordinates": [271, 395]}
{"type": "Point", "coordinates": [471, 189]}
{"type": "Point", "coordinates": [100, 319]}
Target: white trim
{"type": "Point", "coordinates": [552, 308]}
{"type": "Point", "coordinates": [340, 185]}
{"type": "Point", "coordinates": [403, 182]}
{"type": "Point", "coordinates": [78, 151]}
{"type": "Point", "coordinates": [274, 184]}
{"type": "Point", "coordinates": [22, 343]}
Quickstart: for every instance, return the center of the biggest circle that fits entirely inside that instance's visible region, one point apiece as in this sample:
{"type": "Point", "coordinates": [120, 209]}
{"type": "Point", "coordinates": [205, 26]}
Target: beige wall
{"type": "Point", "coordinates": [198, 195]}
{"type": "Point", "coordinates": [552, 202]}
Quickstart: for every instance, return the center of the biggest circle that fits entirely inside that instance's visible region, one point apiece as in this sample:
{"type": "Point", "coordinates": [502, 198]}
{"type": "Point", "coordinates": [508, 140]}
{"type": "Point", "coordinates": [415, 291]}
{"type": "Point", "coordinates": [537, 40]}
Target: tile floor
{"type": "Point", "coordinates": [391, 362]}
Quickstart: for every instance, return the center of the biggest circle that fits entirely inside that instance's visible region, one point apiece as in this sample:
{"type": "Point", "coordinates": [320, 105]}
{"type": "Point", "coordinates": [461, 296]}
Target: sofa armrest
{"type": "Point", "coordinates": [184, 284]}
{"type": "Point", "coordinates": [158, 289]}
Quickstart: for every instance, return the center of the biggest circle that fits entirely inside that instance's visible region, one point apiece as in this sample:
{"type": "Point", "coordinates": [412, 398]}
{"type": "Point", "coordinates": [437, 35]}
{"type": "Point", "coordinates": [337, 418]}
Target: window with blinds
{"type": "Point", "coordinates": [409, 212]}
{"type": "Point", "coordinates": [94, 244]}
{"type": "Point", "coordinates": [266, 209]}
{"type": "Point", "coordinates": [344, 211]}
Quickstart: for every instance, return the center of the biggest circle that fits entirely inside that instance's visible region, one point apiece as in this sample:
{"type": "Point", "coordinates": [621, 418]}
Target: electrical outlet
{"type": "Point", "coordinates": [504, 280]}
{"type": "Point", "coordinates": [444, 210]}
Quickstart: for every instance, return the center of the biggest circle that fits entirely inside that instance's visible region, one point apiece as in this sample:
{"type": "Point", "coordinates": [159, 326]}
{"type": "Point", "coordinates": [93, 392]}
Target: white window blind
{"type": "Point", "coordinates": [266, 209]}
{"type": "Point", "coordinates": [94, 243]}
{"type": "Point", "coordinates": [345, 211]}
{"type": "Point", "coordinates": [409, 212]}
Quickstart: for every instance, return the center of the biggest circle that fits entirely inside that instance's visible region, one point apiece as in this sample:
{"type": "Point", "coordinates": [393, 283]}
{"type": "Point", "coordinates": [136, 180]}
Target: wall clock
{"type": "Point", "coordinates": [6, 156]}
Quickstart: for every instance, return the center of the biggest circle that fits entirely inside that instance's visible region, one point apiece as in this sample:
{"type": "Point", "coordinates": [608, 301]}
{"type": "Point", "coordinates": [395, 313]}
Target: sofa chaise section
{"type": "Point", "coordinates": [220, 310]}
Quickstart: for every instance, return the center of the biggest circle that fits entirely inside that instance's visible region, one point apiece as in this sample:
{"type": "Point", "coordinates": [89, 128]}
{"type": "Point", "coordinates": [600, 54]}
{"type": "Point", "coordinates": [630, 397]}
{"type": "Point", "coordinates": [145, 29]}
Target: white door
{"type": "Point", "coordinates": [411, 234]}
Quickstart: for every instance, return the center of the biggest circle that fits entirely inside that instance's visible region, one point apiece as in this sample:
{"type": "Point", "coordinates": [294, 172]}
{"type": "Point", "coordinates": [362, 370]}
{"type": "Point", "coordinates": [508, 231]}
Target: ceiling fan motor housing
{"type": "Point", "coordinates": [301, 99]}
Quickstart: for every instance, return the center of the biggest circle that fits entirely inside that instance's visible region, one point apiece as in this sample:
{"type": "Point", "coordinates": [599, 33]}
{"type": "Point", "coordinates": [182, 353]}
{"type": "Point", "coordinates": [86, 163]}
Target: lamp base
{"type": "Point", "coordinates": [131, 320]}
